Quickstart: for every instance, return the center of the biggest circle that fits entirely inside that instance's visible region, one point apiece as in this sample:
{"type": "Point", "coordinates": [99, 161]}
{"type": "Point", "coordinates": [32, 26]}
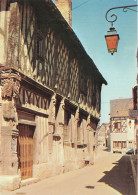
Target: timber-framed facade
{"type": "Point", "coordinates": [50, 94]}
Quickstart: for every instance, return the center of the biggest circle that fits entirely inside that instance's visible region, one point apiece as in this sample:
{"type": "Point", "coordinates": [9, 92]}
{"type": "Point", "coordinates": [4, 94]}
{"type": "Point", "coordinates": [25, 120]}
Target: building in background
{"type": "Point", "coordinates": [133, 114]}
{"type": "Point", "coordinates": [50, 94]}
{"type": "Point", "coordinates": [122, 126]}
{"type": "Point", "coordinates": [103, 132]}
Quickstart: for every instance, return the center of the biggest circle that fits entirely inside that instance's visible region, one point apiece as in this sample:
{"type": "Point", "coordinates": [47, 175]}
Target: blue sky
{"type": "Point", "coordinates": [90, 25]}
{"type": "Point", "coordinates": [119, 70]}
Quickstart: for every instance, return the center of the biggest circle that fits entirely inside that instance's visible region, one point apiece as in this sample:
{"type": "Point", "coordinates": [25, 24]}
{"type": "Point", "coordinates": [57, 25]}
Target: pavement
{"type": "Point", "coordinates": [134, 164]}
{"type": "Point", "coordinates": [111, 175]}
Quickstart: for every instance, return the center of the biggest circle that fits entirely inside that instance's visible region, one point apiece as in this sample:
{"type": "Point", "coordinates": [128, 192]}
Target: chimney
{"type": "Point", "coordinates": [65, 7]}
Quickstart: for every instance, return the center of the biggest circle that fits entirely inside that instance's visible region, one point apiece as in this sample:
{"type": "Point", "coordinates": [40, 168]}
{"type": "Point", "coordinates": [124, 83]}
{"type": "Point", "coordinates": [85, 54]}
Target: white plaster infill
{"type": "Point", "coordinates": [29, 181]}
{"type": "Point", "coordinates": [10, 182]}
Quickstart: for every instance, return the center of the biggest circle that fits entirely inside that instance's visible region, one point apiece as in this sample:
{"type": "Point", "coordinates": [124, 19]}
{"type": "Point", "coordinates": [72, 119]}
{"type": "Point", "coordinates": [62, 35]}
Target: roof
{"type": "Point", "coordinates": [59, 23]}
{"type": "Point", "coordinates": [120, 107]}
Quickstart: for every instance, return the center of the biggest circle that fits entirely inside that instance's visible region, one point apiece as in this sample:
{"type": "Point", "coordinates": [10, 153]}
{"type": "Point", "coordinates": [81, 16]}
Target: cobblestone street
{"type": "Point", "coordinates": [111, 175]}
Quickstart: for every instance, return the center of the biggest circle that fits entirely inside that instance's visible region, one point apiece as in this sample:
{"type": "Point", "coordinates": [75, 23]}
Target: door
{"type": "Point", "coordinates": [25, 150]}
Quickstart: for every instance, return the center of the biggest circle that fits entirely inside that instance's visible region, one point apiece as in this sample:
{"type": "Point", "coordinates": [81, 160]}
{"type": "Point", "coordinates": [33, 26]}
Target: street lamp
{"type": "Point", "coordinates": [112, 37]}
{"type": "Point", "coordinates": [129, 123]}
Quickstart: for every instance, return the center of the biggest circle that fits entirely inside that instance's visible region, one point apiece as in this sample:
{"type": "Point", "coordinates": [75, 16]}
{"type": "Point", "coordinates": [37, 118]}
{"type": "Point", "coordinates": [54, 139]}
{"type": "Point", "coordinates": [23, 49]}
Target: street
{"type": "Point", "coordinates": [111, 175]}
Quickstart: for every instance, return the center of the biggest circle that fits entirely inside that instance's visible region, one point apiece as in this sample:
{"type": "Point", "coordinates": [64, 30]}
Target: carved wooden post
{"type": "Point", "coordinates": [75, 129]}
{"type": "Point", "coordinates": [89, 140]}
{"type": "Point", "coordinates": [61, 130]}
{"type": "Point", "coordinates": [51, 123]}
{"type": "Point", "coordinates": [10, 84]}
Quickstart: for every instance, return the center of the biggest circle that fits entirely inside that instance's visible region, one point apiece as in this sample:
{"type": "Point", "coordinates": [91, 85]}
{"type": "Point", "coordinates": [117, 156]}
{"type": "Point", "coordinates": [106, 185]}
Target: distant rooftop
{"type": "Point", "coordinates": [120, 107]}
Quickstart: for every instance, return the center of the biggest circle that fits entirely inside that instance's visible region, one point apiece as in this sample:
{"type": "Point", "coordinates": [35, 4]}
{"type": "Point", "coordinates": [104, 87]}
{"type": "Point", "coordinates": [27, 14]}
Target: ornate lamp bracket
{"type": "Point", "coordinates": [114, 16]}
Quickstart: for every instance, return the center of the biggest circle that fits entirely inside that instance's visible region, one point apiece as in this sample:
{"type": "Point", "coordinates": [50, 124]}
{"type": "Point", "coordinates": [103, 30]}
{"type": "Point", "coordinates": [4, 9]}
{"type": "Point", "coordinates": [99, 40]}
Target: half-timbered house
{"type": "Point", "coordinates": [50, 94]}
{"type": "Point", "coordinates": [122, 126]}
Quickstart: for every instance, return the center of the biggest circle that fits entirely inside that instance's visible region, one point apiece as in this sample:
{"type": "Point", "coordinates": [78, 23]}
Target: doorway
{"type": "Point", "coordinates": [25, 150]}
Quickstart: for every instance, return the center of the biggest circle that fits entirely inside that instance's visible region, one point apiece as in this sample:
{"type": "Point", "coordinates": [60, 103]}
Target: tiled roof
{"type": "Point", "coordinates": [120, 107]}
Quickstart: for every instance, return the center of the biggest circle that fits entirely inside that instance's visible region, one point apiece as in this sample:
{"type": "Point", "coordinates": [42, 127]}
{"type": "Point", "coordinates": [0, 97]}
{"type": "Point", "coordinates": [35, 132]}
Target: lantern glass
{"type": "Point", "coordinates": [129, 123]}
{"type": "Point", "coordinates": [112, 39]}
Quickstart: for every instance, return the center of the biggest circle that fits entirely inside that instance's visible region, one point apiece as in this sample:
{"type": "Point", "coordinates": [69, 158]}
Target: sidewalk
{"type": "Point", "coordinates": [134, 163]}
{"type": "Point", "coordinates": [111, 175]}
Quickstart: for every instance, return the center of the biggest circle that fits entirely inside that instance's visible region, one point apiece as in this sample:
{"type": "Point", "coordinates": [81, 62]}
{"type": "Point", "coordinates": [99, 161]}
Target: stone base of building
{"type": "Point", "coordinates": [72, 165]}
{"type": "Point", "coordinates": [40, 171]}
{"type": "Point", "coordinates": [45, 170]}
{"type": "Point", "coordinates": [9, 182]}
{"type": "Point", "coordinates": [29, 181]}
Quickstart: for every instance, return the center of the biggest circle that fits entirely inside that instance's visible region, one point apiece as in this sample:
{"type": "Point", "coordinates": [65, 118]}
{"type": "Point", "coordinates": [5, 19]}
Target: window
{"type": "Point", "coordinates": [79, 130]}
{"type": "Point", "coordinates": [40, 47]}
{"type": "Point", "coordinates": [117, 126]}
{"type": "Point", "coordinates": [130, 144]}
{"type": "Point", "coordinates": [123, 144]}
{"type": "Point", "coordinates": [67, 126]}
{"type": "Point", "coordinates": [116, 144]}
{"type": "Point", "coordinates": [83, 84]}
{"type": "Point", "coordinates": [81, 134]}
{"type": "Point", "coordinates": [119, 144]}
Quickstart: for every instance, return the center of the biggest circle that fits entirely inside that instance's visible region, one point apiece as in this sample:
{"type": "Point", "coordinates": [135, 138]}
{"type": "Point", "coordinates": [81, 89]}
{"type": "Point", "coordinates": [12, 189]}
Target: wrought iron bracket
{"type": "Point", "coordinates": [125, 9]}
